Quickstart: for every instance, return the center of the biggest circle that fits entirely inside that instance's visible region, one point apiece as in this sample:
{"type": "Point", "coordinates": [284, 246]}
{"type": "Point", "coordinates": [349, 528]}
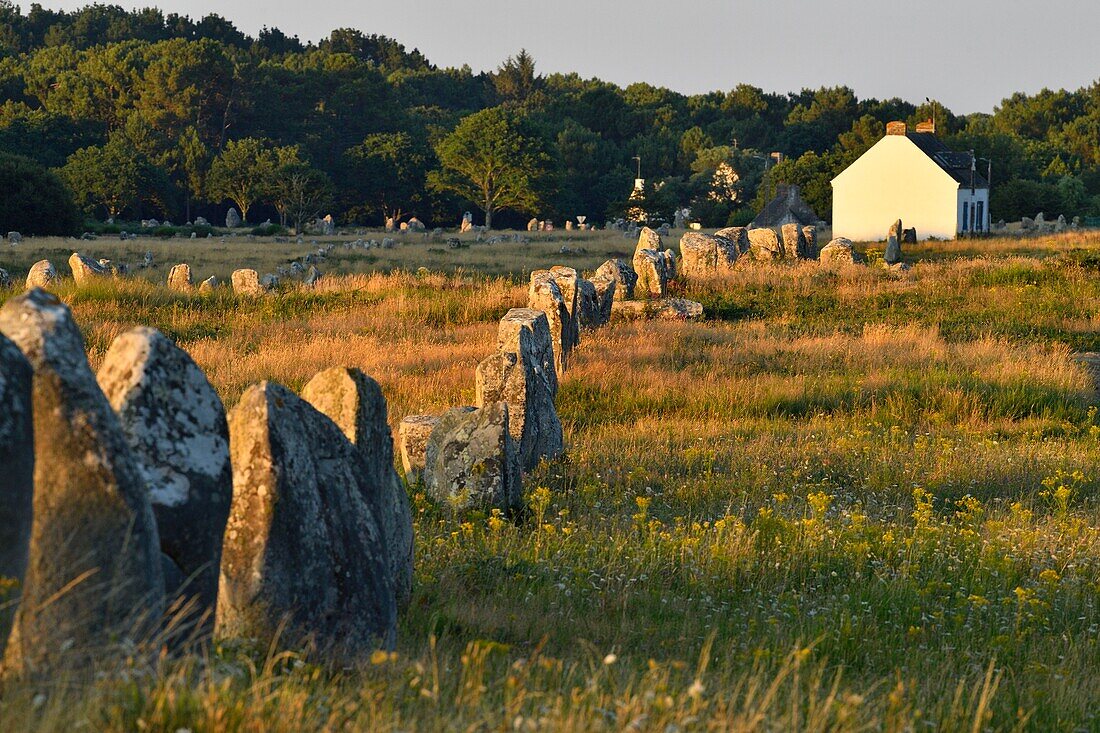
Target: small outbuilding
{"type": "Point", "coordinates": [911, 176]}
{"type": "Point", "coordinates": [787, 207]}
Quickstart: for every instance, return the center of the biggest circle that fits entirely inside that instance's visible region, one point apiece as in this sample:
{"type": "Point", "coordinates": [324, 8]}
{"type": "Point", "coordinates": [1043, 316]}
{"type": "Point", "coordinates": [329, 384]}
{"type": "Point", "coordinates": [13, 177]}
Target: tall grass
{"type": "Point", "coordinates": [847, 501]}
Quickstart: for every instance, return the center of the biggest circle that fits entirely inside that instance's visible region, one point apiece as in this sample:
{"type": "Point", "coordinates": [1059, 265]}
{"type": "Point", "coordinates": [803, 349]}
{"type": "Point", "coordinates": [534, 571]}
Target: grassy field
{"type": "Point", "coordinates": [848, 500]}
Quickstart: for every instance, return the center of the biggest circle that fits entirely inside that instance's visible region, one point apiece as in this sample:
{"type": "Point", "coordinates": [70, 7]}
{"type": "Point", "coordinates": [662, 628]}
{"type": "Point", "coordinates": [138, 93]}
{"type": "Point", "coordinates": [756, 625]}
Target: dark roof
{"type": "Point", "coordinates": [957, 165]}
{"type": "Point", "coordinates": [787, 200]}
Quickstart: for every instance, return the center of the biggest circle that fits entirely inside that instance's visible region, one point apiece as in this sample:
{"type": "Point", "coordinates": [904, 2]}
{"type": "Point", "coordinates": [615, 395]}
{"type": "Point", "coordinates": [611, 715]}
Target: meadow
{"type": "Point", "coordinates": [846, 500]}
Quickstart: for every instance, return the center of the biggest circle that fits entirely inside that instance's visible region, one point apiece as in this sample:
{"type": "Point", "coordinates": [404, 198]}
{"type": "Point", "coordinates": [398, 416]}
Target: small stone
{"type": "Point", "coordinates": [208, 285]}
{"type": "Point", "coordinates": [472, 462]}
{"type": "Point", "coordinates": [85, 269]}
{"type": "Point", "coordinates": [42, 275]}
{"type": "Point", "coordinates": [179, 279]}
{"type": "Point", "coordinates": [624, 276]}
{"type": "Point", "coordinates": [247, 282]}
{"type": "Point", "coordinates": [413, 433]}
{"type": "Point", "coordinates": [837, 252]}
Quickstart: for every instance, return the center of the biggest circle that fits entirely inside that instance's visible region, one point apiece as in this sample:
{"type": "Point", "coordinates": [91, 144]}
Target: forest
{"type": "Point", "coordinates": [107, 113]}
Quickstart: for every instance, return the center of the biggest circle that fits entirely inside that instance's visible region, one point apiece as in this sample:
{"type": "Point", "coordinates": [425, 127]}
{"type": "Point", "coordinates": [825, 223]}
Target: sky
{"type": "Point", "coordinates": [967, 54]}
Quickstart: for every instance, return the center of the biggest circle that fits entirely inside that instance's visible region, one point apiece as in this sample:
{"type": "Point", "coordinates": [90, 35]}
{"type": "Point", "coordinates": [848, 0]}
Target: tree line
{"type": "Point", "coordinates": [136, 114]}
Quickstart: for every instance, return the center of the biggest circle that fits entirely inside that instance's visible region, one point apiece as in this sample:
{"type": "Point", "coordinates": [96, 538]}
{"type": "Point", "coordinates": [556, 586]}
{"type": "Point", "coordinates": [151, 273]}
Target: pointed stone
{"type": "Point", "coordinates": [17, 482]}
{"type": "Point", "coordinates": [302, 546]}
{"type": "Point", "coordinates": [175, 425]}
{"type": "Point", "coordinates": [624, 276]}
{"type": "Point", "coordinates": [519, 374]}
{"type": "Point", "coordinates": [356, 404]}
{"type": "Point", "coordinates": [545, 295]}
{"type": "Point", "coordinates": [94, 582]}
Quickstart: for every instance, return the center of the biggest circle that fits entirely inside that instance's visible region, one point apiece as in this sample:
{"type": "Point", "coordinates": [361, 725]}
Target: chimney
{"type": "Point", "coordinates": [896, 128]}
{"type": "Point", "coordinates": [927, 126]}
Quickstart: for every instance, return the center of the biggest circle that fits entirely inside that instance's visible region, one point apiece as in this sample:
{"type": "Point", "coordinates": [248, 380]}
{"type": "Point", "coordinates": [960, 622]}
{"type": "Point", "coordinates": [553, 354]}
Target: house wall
{"type": "Point", "coordinates": [965, 196]}
{"type": "Point", "coordinates": [893, 180]}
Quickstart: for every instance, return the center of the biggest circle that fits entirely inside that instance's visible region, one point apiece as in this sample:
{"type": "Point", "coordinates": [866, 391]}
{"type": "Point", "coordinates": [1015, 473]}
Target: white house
{"type": "Point", "coordinates": [914, 177]}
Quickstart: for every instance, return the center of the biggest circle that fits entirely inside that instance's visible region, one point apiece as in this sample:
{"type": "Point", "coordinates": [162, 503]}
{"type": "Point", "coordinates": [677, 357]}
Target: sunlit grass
{"type": "Point", "coordinates": [847, 501]}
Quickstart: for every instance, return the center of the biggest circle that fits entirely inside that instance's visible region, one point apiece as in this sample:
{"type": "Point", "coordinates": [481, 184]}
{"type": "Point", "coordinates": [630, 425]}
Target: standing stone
{"type": "Point", "coordinates": [179, 279]}
{"type": "Point", "coordinates": [893, 243]}
{"type": "Point", "coordinates": [232, 218]}
{"type": "Point", "coordinates": [623, 274]}
{"type": "Point", "coordinates": [247, 282]}
{"type": "Point", "coordinates": [15, 238]}
{"type": "Point", "coordinates": [569, 284]}
{"type": "Point", "coordinates": [17, 484]}
{"type": "Point", "coordinates": [521, 374]}
{"type": "Point", "coordinates": [42, 275]}
{"type": "Point", "coordinates": [698, 254]}
{"type": "Point", "coordinates": [739, 236]}
{"type": "Point", "coordinates": [208, 285]}
{"type": "Point", "coordinates": [545, 295]}
{"type": "Point", "coordinates": [809, 238]}
{"type": "Point", "coordinates": [533, 225]}
{"type": "Point", "coordinates": [837, 252]}
{"type": "Point", "coordinates": [94, 583]}
{"type": "Point", "coordinates": [653, 272]}
{"type": "Point", "coordinates": [605, 287]}
{"type": "Point", "coordinates": [588, 306]}
{"type": "Point", "coordinates": [794, 244]}
{"type": "Point", "coordinates": [648, 239]}
{"type": "Point", "coordinates": [412, 435]}
{"type": "Point", "coordinates": [175, 425]}
{"type": "Point", "coordinates": [472, 462]}
{"type": "Point", "coordinates": [765, 245]}
{"type": "Point", "coordinates": [355, 403]}
{"type": "Point", "coordinates": [909, 236]}
{"type": "Point", "coordinates": [5, 279]}
{"type": "Point", "coordinates": [85, 269]}
{"type": "Point", "coordinates": [302, 546]}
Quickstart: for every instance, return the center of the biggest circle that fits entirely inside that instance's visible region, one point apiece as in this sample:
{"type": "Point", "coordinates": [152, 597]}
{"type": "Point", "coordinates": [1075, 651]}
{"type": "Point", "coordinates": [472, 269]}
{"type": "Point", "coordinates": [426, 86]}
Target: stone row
{"type": "Point", "coordinates": [135, 513]}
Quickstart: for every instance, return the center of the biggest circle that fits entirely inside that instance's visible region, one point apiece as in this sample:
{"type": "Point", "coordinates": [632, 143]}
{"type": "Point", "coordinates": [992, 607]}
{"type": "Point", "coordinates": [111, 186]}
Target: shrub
{"type": "Point", "coordinates": [34, 200]}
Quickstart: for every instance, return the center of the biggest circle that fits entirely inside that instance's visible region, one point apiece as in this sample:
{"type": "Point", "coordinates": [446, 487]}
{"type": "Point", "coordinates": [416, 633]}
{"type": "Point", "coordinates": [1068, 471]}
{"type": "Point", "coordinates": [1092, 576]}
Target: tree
{"type": "Point", "coordinates": [114, 176]}
{"type": "Point", "coordinates": [494, 159]}
{"type": "Point", "coordinates": [33, 199]}
{"type": "Point", "coordinates": [389, 170]}
{"type": "Point", "coordinates": [515, 79]}
{"type": "Point", "coordinates": [301, 193]}
{"type": "Point", "coordinates": [243, 173]}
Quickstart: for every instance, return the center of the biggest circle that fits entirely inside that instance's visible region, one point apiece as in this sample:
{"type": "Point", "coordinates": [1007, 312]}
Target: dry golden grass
{"type": "Point", "coordinates": [853, 500]}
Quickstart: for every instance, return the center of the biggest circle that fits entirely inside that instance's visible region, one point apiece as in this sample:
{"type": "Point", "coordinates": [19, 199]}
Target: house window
{"type": "Point", "coordinates": [966, 214]}
{"type": "Point", "coordinates": [981, 216]}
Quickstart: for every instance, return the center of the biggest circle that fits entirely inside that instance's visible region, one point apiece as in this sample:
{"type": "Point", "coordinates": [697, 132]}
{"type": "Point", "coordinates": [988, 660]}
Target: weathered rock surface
{"type": "Point", "coordinates": [703, 255]}
{"type": "Point", "coordinates": [42, 275]}
{"type": "Point", "coordinates": [86, 270]}
{"type": "Point", "coordinates": [623, 274]}
{"type": "Point", "coordinates": [302, 546]}
{"type": "Point", "coordinates": [208, 285]}
{"type": "Point", "coordinates": [247, 282]}
{"type": "Point", "coordinates": [521, 374]}
{"type": "Point", "coordinates": [655, 269]}
{"type": "Point", "coordinates": [794, 245]}
{"type": "Point", "coordinates": [648, 239]}
{"type": "Point", "coordinates": [667, 309]}
{"type": "Point", "coordinates": [765, 245]}
{"type": "Point", "coordinates": [892, 256]}
{"type": "Point", "coordinates": [232, 218]}
{"type": "Point", "coordinates": [569, 284]}
{"type": "Point", "coordinates": [93, 532]}
{"type": "Point", "coordinates": [472, 462]}
{"type": "Point", "coordinates": [544, 294]}
{"type": "Point", "coordinates": [738, 235]}
{"type": "Point", "coordinates": [412, 434]}
{"type": "Point", "coordinates": [17, 483]}
{"type": "Point", "coordinates": [354, 401]}
{"type": "Point", "coordinates": [809, 237]}
{"type": "Point", "coordinates": [604, 288]}
{"type": "Point", "coordinates": [175, 425]}
{"type": "Point", "coordinates": [179, 278]}
{"type": "Point", "coordinates": [838, 252]}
